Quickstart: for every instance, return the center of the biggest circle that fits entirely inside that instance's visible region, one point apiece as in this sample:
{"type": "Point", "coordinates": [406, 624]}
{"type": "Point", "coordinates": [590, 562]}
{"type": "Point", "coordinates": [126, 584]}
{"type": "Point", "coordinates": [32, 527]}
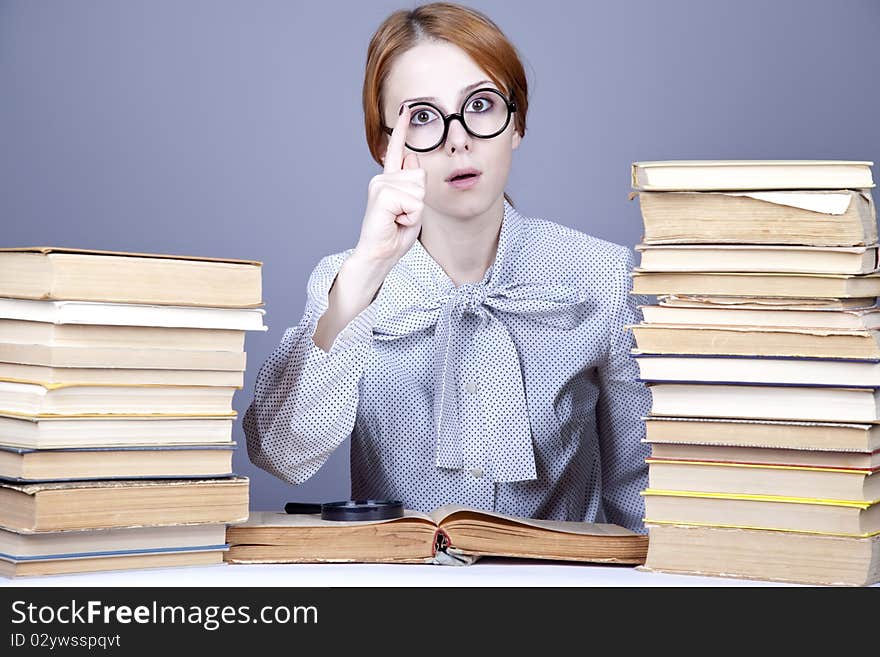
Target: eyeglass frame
{"type": "Point", "coordinates": [447, 118]}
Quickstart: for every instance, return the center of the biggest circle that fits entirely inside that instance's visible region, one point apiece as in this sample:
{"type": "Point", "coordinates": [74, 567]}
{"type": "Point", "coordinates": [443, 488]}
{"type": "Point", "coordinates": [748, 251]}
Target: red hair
{"type": "Point", "coordinates": [466, 28]}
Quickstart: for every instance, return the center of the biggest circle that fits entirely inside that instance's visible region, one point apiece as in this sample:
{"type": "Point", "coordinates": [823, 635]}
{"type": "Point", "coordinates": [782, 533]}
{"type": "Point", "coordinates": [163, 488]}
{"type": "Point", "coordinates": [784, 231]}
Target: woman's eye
{"type": "Point", "coordinates": [479, 105]}
{"type": "Point", "coordinates": [421, 117]}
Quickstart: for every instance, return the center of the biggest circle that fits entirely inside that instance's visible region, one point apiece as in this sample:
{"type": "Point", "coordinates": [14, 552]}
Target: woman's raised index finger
{"type": "Point", "coordinates": [394, 153]}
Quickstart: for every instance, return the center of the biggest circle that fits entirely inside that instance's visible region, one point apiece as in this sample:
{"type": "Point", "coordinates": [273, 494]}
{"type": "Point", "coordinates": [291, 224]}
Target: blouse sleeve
{"type": "Point", "coordinates": [623, 401]}
{"type": "Point", "coordinates": [305, 399]}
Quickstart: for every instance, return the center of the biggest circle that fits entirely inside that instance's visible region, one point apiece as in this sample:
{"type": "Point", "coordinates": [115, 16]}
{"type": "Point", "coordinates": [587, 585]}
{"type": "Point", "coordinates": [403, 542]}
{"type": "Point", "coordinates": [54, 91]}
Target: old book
{"type": "Point", "coordinates": [804, 218]}
{"type": "Point", "coordinates": [809, 457]}
{"type": "Point", "coordinates": [759, 284]}
{"type": "Point", "coordinates": [766, 303]}
{"type": "Point", "coordinates": [107, 549]}
{"type": "Point", "coordinates": [757, 258]}
{"type": "Point", "coordinates": [47, 272]}
{"type": "Point", "coordinates": [840, 372]}
{"type": "Point", "coordinates": [15, 331]}
{"type": "Point", "coordinates": [69, 544]}
{"type": "Point", "coordinates": [169, 461]}
{"type": "Point", "coordinates": [121, 357]}
{"type": "Point", "coordinates": [791, 316]}
{"type": "Point", "coordinates": [103, 562]}
{"type": "Point", "coordinates": [756, 341]}
{"type": "Point", "coordinates": [833, 436]}
{"type": "Point", "coordinates": [57, 506]}
{"type": "Point", "coordinates": [417, 537]}
{"type": "Point", "coordinates": [40, 400]}
{"type": "Point", "coordinates": [827, 483]}
{"type": "Point", "coordinates": [132, 314]}
{"type": "Point", "coordinates": [811, 403]}
{"type": "Point", "coordinates": [764, 555]}
{"type": "Point", "coordinates": [118, 376]}
{"type": "Point", "coordinates": [800, 514]}
{"type": "Point", "coordinates": [673, 175]}
{"type": "Point", "coordinates": [58, 432]}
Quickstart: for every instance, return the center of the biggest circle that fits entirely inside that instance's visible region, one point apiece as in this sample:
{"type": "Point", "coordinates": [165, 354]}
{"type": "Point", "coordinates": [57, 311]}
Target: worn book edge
{"type": "Point", "coordinates": [45, 250]}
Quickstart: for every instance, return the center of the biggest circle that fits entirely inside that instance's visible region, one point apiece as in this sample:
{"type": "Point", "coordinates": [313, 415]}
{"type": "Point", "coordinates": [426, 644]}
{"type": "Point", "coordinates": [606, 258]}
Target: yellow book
{"type": "Point", "coordinates": [799, 514]}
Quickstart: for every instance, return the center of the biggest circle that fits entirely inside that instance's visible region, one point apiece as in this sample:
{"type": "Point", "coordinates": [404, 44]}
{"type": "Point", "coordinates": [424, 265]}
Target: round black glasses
{"type": "Point", "coordinates": [485, 113]}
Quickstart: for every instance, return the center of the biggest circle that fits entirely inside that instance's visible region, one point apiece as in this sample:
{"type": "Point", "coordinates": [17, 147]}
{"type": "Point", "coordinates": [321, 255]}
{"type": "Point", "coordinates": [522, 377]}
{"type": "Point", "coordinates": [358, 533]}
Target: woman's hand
{"type": "Point", "coordinates": [390, 227]}
{"type": "Point", "coordinates": [395, 200]}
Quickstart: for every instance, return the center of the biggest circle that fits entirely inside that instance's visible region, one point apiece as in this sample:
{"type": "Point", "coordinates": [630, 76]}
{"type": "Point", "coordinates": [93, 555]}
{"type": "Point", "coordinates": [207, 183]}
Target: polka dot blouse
{"type": "Point", "coordinates": [516, 394]}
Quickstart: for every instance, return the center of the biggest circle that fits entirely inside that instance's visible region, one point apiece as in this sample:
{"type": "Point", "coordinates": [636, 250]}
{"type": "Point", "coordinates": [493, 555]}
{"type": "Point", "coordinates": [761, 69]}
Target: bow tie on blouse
{"type": "Point", "coordinates": [511, 455]}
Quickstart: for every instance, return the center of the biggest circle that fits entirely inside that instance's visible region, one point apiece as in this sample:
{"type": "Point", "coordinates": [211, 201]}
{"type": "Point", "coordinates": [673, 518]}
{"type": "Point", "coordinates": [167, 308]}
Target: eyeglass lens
{"type": "Point", "coordinates": [485, 115]}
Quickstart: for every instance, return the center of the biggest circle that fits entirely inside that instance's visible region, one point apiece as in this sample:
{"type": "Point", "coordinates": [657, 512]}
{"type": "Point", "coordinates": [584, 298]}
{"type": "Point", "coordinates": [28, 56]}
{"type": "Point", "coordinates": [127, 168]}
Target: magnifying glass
{"type": "Point", "coordinates": [348, 510]}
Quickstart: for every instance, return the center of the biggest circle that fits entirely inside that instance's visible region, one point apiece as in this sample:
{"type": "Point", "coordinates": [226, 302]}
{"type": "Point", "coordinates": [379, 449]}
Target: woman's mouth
{"type": "Point", "coordinates": [464, 178]}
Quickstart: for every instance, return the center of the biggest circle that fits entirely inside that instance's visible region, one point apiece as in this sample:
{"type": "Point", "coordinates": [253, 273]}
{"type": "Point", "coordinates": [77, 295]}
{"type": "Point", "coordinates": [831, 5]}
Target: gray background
{"type": "Point", "coordinates": [234, 129]}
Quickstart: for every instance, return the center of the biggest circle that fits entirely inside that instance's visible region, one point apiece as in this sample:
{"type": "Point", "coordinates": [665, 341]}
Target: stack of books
{"type": "Point", "coordinates": [762, 355]}
{"type": "Point", "coordinates": [117, 373]}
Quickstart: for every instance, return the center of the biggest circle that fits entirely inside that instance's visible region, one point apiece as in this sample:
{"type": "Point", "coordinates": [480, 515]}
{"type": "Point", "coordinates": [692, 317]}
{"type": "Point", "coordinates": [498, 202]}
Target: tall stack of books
{"type": "Point", "coordinates": [117, 373]}
{"type": "Point", "coordinates": [762, 355]}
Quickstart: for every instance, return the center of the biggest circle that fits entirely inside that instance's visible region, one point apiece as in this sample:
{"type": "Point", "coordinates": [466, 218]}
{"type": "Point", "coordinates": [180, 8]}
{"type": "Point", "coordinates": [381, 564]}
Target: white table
{"type": "Point", "coordinates": [486, 572]}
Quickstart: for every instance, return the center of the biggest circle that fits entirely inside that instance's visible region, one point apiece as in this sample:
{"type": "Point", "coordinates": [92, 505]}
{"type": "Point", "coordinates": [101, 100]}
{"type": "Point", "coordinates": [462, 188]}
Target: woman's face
{"type": "Point", "coordinates": [444, 72]}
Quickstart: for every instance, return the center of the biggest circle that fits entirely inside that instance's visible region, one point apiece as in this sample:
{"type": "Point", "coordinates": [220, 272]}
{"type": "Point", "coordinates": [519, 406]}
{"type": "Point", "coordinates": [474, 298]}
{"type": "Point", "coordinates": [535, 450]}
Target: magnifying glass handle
{"type": "Point", "coordinates": [302, 507]}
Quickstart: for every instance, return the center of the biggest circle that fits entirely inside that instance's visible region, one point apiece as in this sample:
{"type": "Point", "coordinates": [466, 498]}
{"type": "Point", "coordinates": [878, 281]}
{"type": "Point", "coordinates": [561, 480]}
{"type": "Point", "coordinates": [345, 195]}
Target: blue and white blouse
{"type": "Point", "coordinates": [516, 394]}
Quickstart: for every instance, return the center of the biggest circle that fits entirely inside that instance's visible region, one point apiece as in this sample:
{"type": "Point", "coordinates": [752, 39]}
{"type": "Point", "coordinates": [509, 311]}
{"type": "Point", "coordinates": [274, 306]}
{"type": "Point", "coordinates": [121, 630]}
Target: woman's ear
{"type": "Point", "coordinates": [515, 140]}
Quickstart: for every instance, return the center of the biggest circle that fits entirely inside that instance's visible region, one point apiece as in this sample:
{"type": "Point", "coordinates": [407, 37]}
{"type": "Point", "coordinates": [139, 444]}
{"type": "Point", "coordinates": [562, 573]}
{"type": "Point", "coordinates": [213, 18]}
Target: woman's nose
{"type": "Point", "coordinates": [457, 139]}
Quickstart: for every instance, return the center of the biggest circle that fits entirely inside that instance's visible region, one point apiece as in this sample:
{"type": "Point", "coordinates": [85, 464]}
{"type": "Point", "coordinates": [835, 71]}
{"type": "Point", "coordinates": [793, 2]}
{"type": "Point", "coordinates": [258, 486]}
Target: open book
{"type": "Point", "coordinates": [449, 534]}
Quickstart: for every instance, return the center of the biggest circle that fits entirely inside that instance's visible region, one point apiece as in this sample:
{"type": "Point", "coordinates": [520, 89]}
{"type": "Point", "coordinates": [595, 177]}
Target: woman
{"type": "Point", "coordinates": [474, 355]}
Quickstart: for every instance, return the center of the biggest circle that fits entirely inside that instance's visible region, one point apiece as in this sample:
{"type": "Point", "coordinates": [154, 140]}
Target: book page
{"type": "Point", "coordinates": [833, 203]}
{"type": "Point", "coordinates": [443, 513]}
{"type": "Point", "coordinates": [281, 519]}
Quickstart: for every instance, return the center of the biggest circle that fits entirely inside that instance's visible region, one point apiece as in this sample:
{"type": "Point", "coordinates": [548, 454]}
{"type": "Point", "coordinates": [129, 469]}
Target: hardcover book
{"type": "Point", "coordinates": [766, 555]}
{"type": "Point", "coordinates": [58, 432]}
{"type": "Point", "coordinates": [783, 434]}
{"type": "Point", "coordinates": [758, 257]}
{"type": "Point", "coordinates": [47, 272]}
{"type": "Point", "coordinates": [169, 461]}
{"type": "Point", "coordinates": [801, 218]}
{"type": "Point", "coordinates": [783, 370]}
{"type": "Point", "coordinates": [41, 400]}
{"type": "Point", "coordinates": [688, 175]}
{"type": "Point", "coordinates": [790, 315]}
{"type": "Point", "coordinates": [52, 553]}
{"type": "Point", "coordinates": [801, 514]}
{"type": "Point", "coordinates": [132, 314]}
{"type": "Point", "coordinates": [789, 480]}
{"type": "Point", "coordinates": [57, 506]}
{"type": "Point", "coordinates": [807, 457]}
{"type": "Point", "coordinates": [766, 402]}
{"type": "Point", "coordinates": [759, 284]}
{"type": "Point", "coordinates": [720, 340]}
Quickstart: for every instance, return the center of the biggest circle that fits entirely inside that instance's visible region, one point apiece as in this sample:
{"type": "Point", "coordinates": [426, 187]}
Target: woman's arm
{"type": "Point", "coordinates": [623, 401]}
{"type": "Point", "coordinates": [356, 286]}
{"type": "Point", "coordinates": [305, 398]}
